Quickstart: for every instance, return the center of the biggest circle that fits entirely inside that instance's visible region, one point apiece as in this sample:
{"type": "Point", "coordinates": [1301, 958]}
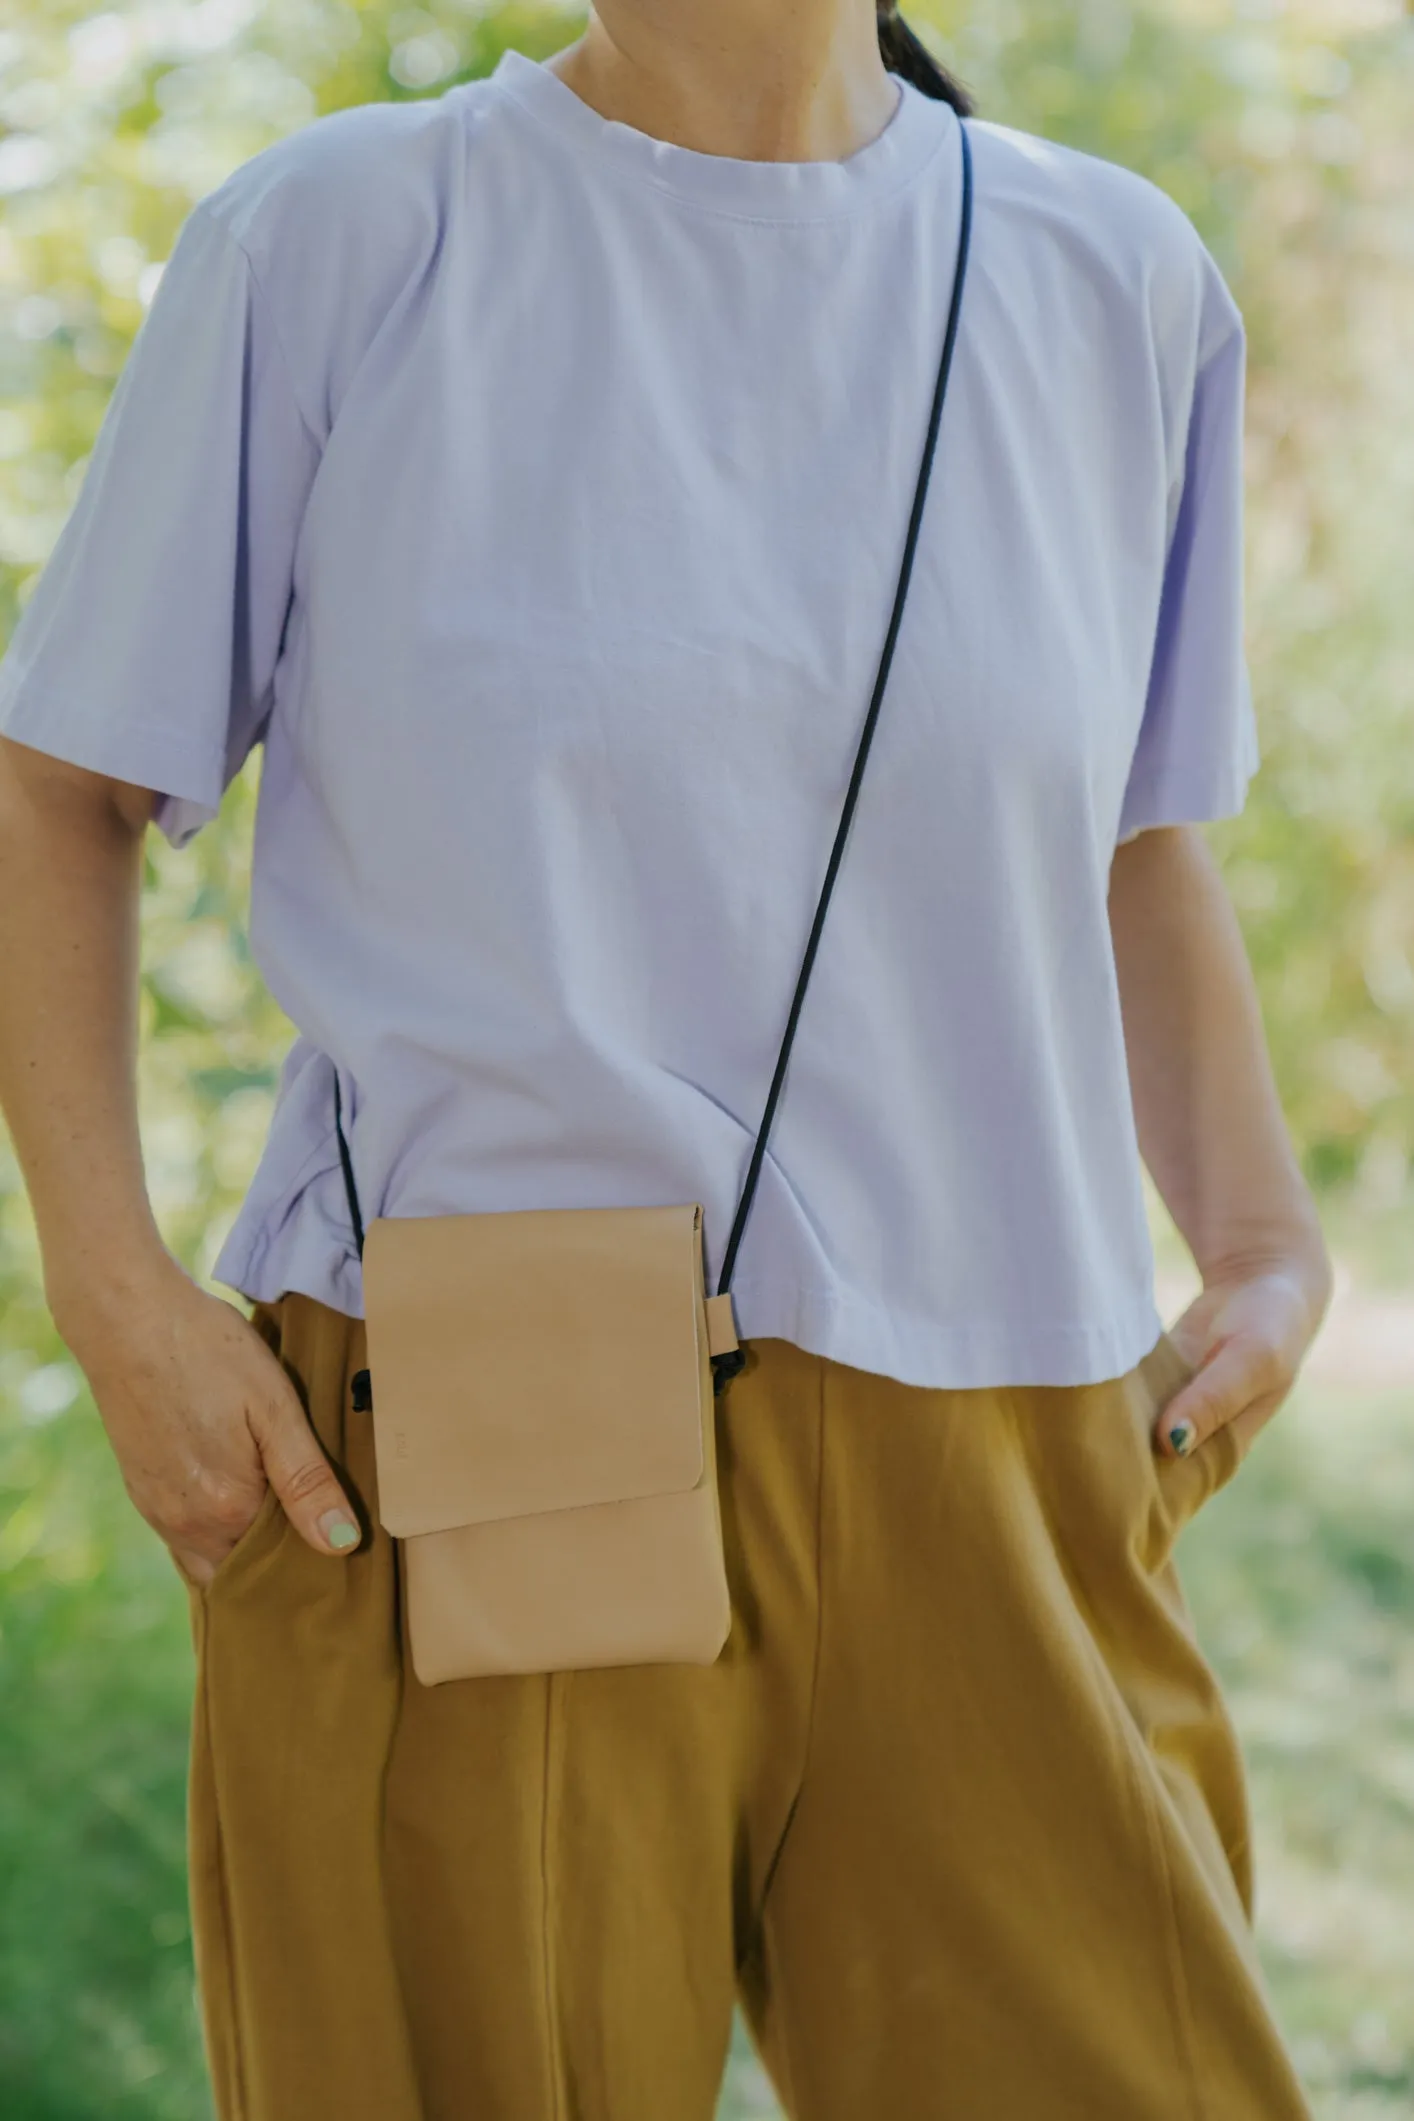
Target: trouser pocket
{"type": "Point", "coordinates": [267, 1517]}
{"type": "Point", "coordinates": [1182, 1485]}
{"type": "Point", "coordinates": [299, 1677]}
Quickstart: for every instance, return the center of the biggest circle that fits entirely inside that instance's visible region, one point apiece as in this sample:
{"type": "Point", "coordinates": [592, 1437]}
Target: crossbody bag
{"type": "Point", "coordinates": [542, 1382]}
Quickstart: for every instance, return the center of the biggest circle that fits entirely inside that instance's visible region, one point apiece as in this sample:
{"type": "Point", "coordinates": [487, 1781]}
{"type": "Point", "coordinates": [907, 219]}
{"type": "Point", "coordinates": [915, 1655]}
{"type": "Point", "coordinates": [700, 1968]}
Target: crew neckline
{"type": "Point", "coordinates": [770, 191]}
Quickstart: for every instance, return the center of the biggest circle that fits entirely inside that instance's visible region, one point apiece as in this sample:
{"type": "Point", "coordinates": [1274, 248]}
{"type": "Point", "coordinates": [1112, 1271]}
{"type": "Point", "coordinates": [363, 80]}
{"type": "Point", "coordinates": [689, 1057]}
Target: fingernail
{"type": "Point", "coordinates": [1182, 1436]}
{"type": "Point", "coordinates": [337, 1529]}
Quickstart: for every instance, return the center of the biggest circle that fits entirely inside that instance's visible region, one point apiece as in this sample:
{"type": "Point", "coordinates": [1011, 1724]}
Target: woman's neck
{"type": "Point", "coordinates": [760, 80]}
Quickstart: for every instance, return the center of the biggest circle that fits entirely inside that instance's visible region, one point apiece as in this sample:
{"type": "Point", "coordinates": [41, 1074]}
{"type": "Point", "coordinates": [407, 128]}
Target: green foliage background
{"type": "Point", "coordinates": [1282, 127]}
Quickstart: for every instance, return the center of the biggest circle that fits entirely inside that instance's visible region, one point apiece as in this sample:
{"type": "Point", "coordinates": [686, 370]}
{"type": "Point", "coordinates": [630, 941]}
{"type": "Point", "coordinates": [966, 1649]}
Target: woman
{"type": "Point", "coordinates": [527, 468]}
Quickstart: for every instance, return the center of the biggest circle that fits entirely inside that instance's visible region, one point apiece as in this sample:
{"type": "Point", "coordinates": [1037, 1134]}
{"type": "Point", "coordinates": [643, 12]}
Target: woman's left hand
{"type": "Point", "coordinates": [1247, 1336]}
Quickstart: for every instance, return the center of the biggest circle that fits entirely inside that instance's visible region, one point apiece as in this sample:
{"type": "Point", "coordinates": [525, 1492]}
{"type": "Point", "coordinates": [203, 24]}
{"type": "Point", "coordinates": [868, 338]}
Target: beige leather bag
{"type": "Point", "coordinates": [544, 1435]}
{"type": "Point", "coordinates": [543, 1382]}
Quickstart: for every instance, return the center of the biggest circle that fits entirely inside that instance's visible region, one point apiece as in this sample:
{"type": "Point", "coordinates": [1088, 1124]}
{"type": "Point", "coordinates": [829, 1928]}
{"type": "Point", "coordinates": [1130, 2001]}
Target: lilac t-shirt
{"type": "Point", "coordinates": [534, 491]}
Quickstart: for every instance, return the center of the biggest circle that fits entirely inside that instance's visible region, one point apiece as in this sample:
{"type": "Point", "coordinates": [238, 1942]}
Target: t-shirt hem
{"type": "Point", "coordinates": [832, 1323]}
{"type": "Point", "coordinates": [943, 1354]}
{"type": "Point", "coordinates": [1158, 806]}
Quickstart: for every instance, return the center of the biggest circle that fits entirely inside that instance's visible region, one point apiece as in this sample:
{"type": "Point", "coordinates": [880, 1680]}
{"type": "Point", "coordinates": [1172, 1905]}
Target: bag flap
{"type": "Point", "coordinates": [536, 1359]}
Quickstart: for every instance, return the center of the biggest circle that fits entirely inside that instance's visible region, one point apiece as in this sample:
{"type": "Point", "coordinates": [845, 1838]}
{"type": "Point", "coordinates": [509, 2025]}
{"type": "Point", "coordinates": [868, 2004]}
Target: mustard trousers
{"type": "Point", "coordinates": [958, 1815]}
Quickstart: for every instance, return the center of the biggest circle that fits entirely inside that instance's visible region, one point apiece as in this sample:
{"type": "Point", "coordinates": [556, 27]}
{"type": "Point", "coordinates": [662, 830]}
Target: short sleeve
{"type": "Point", "coordinates": [148, 647]}
{"type": "Point", "coordinates": [1197, 746]}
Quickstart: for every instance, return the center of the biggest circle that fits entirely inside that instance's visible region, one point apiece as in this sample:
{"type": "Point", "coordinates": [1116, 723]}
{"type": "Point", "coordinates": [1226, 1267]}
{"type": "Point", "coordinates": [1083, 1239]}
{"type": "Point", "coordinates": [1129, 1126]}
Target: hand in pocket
{"type": "Point", "coordinates": [208, 1430]}
{"type": "Point", "coordinates": [1241, 1344]}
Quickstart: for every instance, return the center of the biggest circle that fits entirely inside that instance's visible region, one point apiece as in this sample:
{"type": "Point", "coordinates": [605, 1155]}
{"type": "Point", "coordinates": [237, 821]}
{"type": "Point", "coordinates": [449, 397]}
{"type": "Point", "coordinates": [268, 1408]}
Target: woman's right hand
{"type": "Point", "coordinates": [202, 1418]}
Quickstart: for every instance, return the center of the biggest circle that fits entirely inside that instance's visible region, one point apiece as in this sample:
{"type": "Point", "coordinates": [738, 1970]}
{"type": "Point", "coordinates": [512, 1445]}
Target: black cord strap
{"type": "Point", "coordinates": [726, 1365]}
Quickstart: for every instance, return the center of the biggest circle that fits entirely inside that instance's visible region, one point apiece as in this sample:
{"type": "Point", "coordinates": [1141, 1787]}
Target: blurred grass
{"type": "Point", "coordinates": [1302, 1580]}
{"type": "Point", "coordinates": [96, 2013]}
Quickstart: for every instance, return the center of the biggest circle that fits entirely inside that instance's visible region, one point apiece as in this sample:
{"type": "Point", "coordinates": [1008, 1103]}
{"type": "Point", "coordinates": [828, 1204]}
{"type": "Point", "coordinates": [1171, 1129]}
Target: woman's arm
{"type": "Point", "coordinates": [1212, 1133]}
{"type": "Point", "coordinates": [197, 1408]}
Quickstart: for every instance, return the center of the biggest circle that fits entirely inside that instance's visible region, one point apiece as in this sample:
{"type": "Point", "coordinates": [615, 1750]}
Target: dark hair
{"type": "Point", "coordinates": [903, 54]}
